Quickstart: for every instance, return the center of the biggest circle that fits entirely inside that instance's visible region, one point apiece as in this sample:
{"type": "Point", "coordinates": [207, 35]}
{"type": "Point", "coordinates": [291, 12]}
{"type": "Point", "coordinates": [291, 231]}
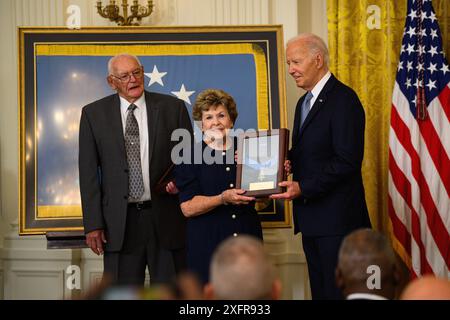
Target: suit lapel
{"type": "Point", "coordinates": [152, 119]}
{"type": "Point", "coordinates": [116, 122]}
{"type": "Point", "coordinates": [295, 133]}
{"type": "Point", "coordinates": [318, 104]}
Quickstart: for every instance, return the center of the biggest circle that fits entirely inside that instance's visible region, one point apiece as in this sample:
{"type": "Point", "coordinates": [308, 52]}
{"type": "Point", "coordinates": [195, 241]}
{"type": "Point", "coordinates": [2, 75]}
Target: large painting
{"type": "Point", "coordinates": [62, 70]}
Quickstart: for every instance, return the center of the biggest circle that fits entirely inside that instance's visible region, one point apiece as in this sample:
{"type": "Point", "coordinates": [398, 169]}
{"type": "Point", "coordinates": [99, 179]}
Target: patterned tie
{"type": "Point", "coordinates": [132, 146]}
{"type": "Point", "coordinates": [306, 106]}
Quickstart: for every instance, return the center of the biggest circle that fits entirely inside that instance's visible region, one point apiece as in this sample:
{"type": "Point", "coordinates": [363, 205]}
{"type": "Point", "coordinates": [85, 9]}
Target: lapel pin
{"type": "Point", "coordinates": [321, 100]}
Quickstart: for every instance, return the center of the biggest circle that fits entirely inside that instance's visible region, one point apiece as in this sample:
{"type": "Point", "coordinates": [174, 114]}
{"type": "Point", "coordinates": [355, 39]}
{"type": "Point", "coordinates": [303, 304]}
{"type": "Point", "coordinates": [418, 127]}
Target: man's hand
{"type": "Point", "coordinates": [287, 167]}
{"type": "Point", "coordinates": [171, 188]}
{"type": "Point", "coordinates": [292, 191]}
{"type": "Point", "coordinates": [95, 240]}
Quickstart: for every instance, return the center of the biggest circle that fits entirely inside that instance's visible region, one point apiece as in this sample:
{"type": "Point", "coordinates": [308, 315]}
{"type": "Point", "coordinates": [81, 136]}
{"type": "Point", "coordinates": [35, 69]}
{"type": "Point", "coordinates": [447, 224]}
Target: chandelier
{"type": "Point", "coordinates": [111, 12]}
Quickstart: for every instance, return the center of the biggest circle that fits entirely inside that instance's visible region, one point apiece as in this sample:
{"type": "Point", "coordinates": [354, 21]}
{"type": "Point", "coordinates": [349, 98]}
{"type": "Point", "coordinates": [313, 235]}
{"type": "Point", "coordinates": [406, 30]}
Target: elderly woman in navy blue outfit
{"type": "Point", "coordinates": [215, 209]}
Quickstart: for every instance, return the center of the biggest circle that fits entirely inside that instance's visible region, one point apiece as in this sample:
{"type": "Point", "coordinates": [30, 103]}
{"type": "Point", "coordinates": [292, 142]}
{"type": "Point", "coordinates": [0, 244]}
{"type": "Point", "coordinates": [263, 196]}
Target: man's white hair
{"type": "Point", "coordinates": [314, 43]}
{"type": "Point", "coordinates": [118, 57]}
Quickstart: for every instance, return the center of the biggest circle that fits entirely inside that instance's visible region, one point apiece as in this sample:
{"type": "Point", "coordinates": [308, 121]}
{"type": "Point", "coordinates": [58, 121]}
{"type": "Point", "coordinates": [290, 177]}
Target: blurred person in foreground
{"type": "Point", "coordinates": [367, 267]}
{"type": "Point", "coordinates": [427, 288]}
{"type": "Point", "coordinates": [241, 270]}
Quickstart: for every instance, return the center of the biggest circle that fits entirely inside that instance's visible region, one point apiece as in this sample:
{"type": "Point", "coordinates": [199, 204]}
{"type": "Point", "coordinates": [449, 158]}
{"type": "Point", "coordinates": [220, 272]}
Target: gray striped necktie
{"type": "Point", "coordinates": [132, 146]}
{"type": "Point", "coordinates": [306, 106]}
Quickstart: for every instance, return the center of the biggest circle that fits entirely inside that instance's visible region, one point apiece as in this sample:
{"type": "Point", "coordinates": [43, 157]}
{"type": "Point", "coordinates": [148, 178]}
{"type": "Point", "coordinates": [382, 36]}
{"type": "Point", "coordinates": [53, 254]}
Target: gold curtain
{"type": "Point", "coordinates": [366, 59]}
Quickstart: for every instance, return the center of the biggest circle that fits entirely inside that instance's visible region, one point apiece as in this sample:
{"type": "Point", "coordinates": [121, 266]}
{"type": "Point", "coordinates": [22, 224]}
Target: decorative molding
{"type": "Point", "coordinates": [164, 13]}
{"type": "Point", "coordinates": [287, 258]}
{"type": "Point", "coordinates": [91, 267]}
{"type": "Point", "coordinates": [30, 271]}
{"type": "Point", "coordinates": [19, 284]}
{"type": "Point", "coordinates": [39, 13]}
{"type": "Point", "coordinates": [240, 12]}
{"type": "Point", "coordinates": [293, 272]}
{"type": "Point", "coordinates": [95, 277]}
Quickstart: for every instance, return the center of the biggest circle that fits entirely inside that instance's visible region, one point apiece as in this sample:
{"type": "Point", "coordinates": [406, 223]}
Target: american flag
{"type": "Point", "coordinates": [419, 145]}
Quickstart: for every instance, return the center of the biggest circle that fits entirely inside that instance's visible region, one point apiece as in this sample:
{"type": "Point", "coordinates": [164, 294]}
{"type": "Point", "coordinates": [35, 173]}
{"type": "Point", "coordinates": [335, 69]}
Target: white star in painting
{"type": "Point", "coordinates": [410, 48]}
{"type": "Point", "coordinates": [400, 66]}
{"type": "Point", "coordinates": [183, 94]}
{"type": "Point", "coordinates": [155, 76]}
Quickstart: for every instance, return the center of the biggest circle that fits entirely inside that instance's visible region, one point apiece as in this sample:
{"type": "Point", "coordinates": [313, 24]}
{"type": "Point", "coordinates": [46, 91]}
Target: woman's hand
{"type": "Point", "coordinates": [171, 188]}
{"type": "Point", "coordinates": [235, 196]}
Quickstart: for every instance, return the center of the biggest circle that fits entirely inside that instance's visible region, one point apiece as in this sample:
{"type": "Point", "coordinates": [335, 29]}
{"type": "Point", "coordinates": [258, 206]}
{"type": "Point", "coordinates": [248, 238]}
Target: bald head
{"type": "Point", "coordinates": [240, 269]}
{"type": "Point", "coordinates": [112, 63]}
{"type": "Point", "coordinates": [126, 76]}
{"type": "Point", "coordinates": [362, 248]}
{"type": "Point", "coordinates": [427, 288]}
{"type": "Point", "coordinates": [361, 252]}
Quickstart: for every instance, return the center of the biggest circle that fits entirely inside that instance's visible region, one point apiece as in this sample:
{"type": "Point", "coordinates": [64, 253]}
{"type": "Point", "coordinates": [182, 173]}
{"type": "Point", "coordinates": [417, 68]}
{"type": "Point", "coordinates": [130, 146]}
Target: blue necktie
{"type": "Point", "coordinates": [306, 106]}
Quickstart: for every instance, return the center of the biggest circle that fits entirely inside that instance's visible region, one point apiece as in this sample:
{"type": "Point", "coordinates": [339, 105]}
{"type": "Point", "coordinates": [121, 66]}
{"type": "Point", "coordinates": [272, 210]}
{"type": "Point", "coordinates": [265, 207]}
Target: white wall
{"type": "Point", "coordinates": [27, 269]}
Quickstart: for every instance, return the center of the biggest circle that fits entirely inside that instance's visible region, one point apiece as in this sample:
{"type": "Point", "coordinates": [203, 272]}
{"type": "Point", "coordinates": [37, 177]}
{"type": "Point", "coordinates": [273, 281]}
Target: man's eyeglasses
{"type": "Point", "coordinates": [137, 74]}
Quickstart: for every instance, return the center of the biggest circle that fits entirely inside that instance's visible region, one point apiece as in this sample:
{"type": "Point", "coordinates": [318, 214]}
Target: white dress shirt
{"type": "Point", "coordinates": [365, 296]}
{"type": "Point", "coordinates": [318, 88]}
{"type": "Point", "coordinates": [141, 116]}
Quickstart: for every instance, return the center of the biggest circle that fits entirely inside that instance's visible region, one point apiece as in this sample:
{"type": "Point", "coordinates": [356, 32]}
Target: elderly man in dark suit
{"type": "Point", "coordinates": [124, 149]}
{"type": "Point", "coordinates": [326, 157]}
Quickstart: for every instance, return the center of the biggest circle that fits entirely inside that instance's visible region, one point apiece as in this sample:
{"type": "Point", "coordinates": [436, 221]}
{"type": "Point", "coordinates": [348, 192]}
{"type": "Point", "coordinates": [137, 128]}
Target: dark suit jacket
{"type": "Point", "coordinates": [326, 155]}
{"type": "Point", "coordinates": [103, 168]}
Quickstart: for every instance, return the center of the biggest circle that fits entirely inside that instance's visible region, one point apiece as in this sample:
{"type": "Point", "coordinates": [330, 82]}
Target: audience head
{"type": "Point", "coordinates": [366, 256]}
{"type": "Point", "coordinates": [427, 288]}
{"type": "Point", "coordinates": [240, 269]}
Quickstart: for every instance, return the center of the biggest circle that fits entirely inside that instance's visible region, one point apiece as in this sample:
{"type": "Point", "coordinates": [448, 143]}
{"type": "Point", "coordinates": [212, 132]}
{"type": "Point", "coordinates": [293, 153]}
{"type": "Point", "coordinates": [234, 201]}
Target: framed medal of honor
{"type": "Point", "coordinates": [261, 157]}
